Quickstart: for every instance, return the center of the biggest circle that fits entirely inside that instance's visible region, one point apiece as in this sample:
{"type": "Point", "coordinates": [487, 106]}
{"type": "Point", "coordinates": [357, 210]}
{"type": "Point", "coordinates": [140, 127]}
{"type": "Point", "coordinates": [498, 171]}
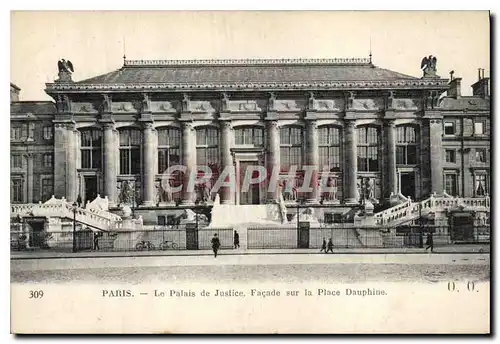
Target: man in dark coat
{"type": "Point", "coordinates": [79, 201]}
{"type": "Point", "coordinates": [236, 240]}
{"type": "Point", "coordinates": [96, 240]}
{"type": "Point", "coordinates": [323, 246]}
{"type": "Point", "coordinates": [429, 242]}
{"type": "Point", "coordinates": [330, 246]}
{"type": "Point", "coordinates": [215, 244]}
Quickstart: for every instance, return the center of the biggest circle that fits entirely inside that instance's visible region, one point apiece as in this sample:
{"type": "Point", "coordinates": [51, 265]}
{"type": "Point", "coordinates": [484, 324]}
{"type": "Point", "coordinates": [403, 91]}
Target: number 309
{"type": "Point", "coordinates": [36, 294]}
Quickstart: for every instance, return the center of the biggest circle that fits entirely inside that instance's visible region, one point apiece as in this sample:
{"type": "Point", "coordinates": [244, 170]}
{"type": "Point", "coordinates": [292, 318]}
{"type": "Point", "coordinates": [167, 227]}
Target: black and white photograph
{"type": "Point", "coordinates": [239, 166]}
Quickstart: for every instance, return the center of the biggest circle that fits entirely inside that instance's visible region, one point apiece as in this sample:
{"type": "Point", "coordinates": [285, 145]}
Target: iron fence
{"type": "Point", "coordinates": [165, 239]}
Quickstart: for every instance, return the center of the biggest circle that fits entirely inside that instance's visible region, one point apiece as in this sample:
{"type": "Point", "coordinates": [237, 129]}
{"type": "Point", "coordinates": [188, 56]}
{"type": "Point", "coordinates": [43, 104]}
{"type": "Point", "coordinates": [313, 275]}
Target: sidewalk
{"type": "Point", "coordinates": [447, 249]}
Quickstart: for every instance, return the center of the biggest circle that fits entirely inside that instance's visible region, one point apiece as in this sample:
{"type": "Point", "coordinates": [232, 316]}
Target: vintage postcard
{"type": "Point", "coordinates": [250, 172]}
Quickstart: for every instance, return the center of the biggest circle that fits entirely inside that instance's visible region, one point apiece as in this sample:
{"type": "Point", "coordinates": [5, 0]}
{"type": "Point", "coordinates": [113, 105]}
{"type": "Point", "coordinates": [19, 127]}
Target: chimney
{"type": "Point", "coordinates": [454, 87]}
{"type": "Point", "coordinates": [482, 87]}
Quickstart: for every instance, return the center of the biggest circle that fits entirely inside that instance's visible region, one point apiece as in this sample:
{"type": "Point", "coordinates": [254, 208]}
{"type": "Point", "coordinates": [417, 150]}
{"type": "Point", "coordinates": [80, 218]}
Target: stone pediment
{"type": "Point", "coordinates": [329, 105]}
{"type": "Point", "coordinates": [201, 106]}
{"type": "Point", "coordinates": [369, 104]}
{"type": "Point", "coordinates": [127, 107]}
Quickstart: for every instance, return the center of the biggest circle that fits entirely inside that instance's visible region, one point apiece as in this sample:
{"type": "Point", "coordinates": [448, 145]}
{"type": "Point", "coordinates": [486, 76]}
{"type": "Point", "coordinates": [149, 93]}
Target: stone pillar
{"type": "Point", "coordinates": [391, 159]}
{"type": "Point", "coordinates": [351, 163]}
{"type": "Point", "coordinates": [71, 172]}
{"type": "Point", "coordinates": [273, 156]}
{"type": "Point", "coordinates": [149, 172]}
{"type": "Point", "coordinates": [189, 160]}
{"type": "Point", "coordinates": [313, 159]}
{"type": "Point", "coordinates": [109, 166]}
{"type": "Point", "coordinates": [436, 155]}
{"type": "Point", "coordinates": [29, 177]}
{"type": "Point", "coordinates": [227, 195]}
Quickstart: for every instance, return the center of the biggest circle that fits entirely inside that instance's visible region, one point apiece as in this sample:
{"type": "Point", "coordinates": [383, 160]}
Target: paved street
{"type": "Point", "coordinates": [344, 268]}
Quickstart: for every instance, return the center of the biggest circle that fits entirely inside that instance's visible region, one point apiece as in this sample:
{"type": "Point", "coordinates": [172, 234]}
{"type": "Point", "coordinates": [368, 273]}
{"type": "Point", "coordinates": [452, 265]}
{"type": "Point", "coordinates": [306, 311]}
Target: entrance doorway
{"type": "Point", "coordinates": [407, 184]}
{"type": "Point", "coordinates": [252, 193]}
{"type": "Point", "coordinates": [90, 188]}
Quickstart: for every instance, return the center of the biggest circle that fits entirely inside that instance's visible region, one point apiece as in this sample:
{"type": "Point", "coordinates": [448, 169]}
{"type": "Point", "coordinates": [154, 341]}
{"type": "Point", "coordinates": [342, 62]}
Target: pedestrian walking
{"type": "Point", "coordinates": [429, 242]}
{"type": "Point", "coordinates": [236, 240]}
{"type": "Point", "coordinates": [215, 244]}
{"type": "Point", "coordinates": [323, 246]}
{"type": "Point", "coordinates": [96, 241]}
{"type": "Point", "coordinates": [330, 246]}
{"type": "Point", "coordinates": [79, 201]}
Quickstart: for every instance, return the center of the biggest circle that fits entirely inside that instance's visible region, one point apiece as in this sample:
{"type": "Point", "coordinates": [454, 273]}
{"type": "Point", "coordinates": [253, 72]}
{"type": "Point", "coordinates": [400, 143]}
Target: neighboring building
{"type": "Point", "coordinates": [31, 149]}
{"type": "Point", "coordinates": [14, 93]}
{"type": "Point", "coordinates": [379, 132]}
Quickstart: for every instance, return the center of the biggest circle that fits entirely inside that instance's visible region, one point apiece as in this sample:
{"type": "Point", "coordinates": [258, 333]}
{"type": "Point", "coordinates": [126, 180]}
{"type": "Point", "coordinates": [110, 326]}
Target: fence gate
{"type": "Point", "coordinates": [191, 236]}
{"type": "Point", "coordinates": [303, 235]}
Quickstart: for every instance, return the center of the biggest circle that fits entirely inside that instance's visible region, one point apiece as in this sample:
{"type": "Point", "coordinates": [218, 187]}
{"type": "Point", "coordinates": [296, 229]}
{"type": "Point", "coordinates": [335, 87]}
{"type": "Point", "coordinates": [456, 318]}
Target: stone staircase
{"type": "Point", "coordinates": [94, 215]}
{"type": "Point", "coordinates": [409, 210]}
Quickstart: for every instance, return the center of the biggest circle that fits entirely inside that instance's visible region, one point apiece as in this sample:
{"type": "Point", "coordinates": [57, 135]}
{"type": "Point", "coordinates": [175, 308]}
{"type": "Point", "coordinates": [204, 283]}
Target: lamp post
{"type": "Point", "coordinates": [74, 226]}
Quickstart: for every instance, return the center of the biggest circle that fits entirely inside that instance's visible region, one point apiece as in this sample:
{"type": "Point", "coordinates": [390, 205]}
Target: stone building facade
{"type": "Point", "coordinates": [372, 133]}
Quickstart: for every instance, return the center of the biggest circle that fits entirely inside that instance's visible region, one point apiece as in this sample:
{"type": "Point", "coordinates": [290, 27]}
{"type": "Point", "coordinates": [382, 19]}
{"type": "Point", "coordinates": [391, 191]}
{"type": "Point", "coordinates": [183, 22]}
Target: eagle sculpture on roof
{"type": "Point", "coordinates": [429, 64]}
{"type": "Point", "coordinates": [65, 66]}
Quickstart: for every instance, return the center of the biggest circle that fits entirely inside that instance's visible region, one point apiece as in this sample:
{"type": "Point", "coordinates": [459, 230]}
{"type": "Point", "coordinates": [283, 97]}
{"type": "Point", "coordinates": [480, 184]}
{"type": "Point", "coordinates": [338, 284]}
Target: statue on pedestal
{"type": "Point", "coordinates": [428, 65]}
{"type": "Point", "coordinates": [65, 70]}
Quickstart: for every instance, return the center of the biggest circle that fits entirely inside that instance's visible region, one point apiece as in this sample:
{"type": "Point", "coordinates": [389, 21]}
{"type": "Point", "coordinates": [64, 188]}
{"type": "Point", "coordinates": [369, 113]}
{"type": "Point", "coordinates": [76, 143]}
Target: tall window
{"type": "Point", "coordinates": [207, 147]}
{"type": "Point", "coordinates": [47, 188]}
{"type": "Point", "coordinates": [450, 184]}
{"type": "Point", "coordinates": [91, 148]}
{"type": "Point", "coordinates": [480, 185]}
{"type": "Point", "coordinates": [16, 192]}
{"type": "Point", "coordinates": [48, 133]}
{"type": "Point", "coordinates": [47, 160]}
{"type": "Point", "coordinates": [19, 132]}
{"type": "Point", "coordinates": [130, 151]}
{"type": "Point", "coordinates": [169, 148]}
{"type": "Point", "coordinates": [450, 155]}
{"type": "Point", "coordinates": [249, 136]}
{"type": "Point", "coordinates": [329, 148]}
{"type": "Point", "coordinates": [406, 145]}
{"type": "Point", "coordinates": [16, 161]}
{"type": "Point", "coordinates": [291, 145]}
{"type": "Point", "coordinates": [368, 149]}
{"type": "Point", "coordinates": [480, 155]}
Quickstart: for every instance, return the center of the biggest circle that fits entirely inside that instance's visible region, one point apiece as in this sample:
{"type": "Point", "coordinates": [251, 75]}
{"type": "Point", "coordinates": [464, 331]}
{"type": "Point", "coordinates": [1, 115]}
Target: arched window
{"type": "Point", "coordinates": [91, 148]}
{"type": "Point", "coordinates": [169, 148]}
{"type": "Point", "coordinates": [207, 147]}
{"type": "Point", "coordinates": [291, 146]}
{"type": "Point", "coordinates": [406, 145]}
{"type": "Point", "coordinates": [368, 149]}
{"type": "Point", "coordinates": [329, 148]}
{"type": "Point", "coordinates": [249, 136]}
{"type": "Point", "coordinates": [130, 151]}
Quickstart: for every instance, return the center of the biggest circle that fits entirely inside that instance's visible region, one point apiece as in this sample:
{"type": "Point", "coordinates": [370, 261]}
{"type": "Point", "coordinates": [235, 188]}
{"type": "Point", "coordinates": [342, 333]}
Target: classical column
{"type": "Point", "coordinates": [391, 158]}
{"type": "Point", "coordinates": [351, 163]}
{"type": "Point", "coordinates": [149, 172]}
{"type": "Point", "coordinates": [273, 156]}
{"type": "Point", "coordinates": [436, 155]}
{"type": "Point", "coordinates": [313, 159]}
{"type": "Point", "coordinates": [29, 177]}
{"type": "Point", "coordinates": [189, 160]}
{"type": "Point", "coordinates": [71, 170]}
{"type": "Point", "coordinates": [109, 166]}
{"type": "Point", "coordinates": [226, 195]}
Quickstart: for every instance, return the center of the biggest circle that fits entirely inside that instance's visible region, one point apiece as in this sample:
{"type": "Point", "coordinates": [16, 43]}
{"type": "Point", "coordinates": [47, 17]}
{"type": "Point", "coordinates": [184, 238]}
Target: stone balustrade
{"type": "Point", "coordinates": [410, 210]}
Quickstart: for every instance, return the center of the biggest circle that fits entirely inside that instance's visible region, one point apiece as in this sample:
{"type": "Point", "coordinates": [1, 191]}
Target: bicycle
{"type": "Point", "coordinates": [144, 245]}
{"type": "Point", "coordinates": [168, 244]}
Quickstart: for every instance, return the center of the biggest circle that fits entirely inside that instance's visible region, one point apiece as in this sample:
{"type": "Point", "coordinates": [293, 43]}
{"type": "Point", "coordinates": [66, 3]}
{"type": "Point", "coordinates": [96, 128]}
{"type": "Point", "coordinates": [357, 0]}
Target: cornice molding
{"type": "Point", "coordinates": [246, 62]}
{"type": "Point", "coordinates": [304, 85]}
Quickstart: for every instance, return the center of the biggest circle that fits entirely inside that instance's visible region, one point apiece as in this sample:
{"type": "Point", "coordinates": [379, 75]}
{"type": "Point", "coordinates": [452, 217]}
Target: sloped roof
{"type": "Point", "coordinates": [34, 107]}
{"type": "Point", "coordinates": [246, 71]}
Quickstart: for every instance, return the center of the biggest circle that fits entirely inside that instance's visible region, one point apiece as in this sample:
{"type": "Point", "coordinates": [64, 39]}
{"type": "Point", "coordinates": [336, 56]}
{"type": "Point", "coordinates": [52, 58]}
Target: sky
{"type": "Point", "coordinates": [95, 42]}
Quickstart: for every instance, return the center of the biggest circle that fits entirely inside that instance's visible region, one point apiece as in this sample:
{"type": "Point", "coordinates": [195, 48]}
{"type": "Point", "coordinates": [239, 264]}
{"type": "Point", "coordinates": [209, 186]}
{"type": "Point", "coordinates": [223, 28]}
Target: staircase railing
{"type": "Point", "coordinates": [411, 210]}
